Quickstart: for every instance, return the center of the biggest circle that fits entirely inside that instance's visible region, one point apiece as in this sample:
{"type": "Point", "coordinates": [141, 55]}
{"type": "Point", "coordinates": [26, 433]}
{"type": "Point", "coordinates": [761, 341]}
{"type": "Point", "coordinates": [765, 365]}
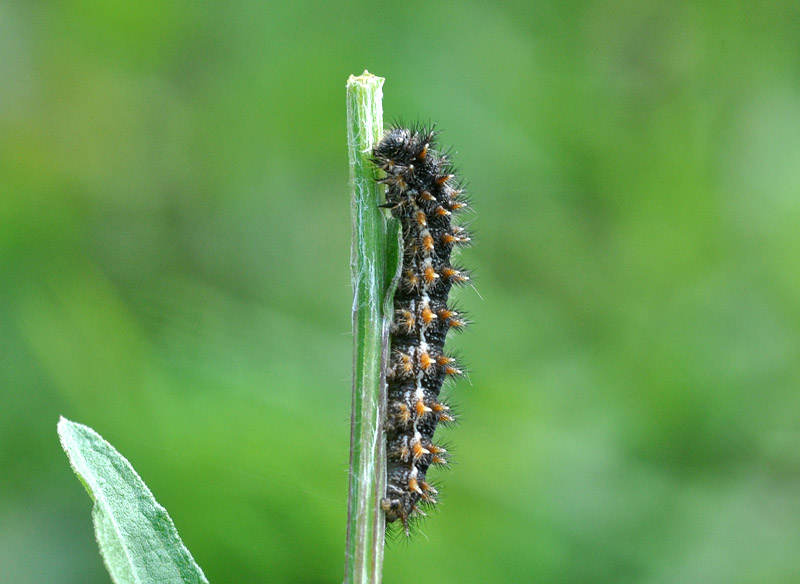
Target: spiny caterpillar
{"type": "Point", "coordinates": [423, 194]}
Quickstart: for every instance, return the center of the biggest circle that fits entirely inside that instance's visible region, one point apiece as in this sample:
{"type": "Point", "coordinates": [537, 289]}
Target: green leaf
{"type": "Point", "coordinates": [137, 538]}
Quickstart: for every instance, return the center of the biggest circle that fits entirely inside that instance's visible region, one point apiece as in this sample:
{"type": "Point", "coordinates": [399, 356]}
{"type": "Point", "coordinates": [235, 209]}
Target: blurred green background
{"type": "Point", "coordinates": [174, 243]}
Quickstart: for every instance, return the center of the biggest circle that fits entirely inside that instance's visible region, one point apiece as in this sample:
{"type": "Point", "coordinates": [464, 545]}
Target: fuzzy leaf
{"type": "Point", "coordinates": [137, 538]}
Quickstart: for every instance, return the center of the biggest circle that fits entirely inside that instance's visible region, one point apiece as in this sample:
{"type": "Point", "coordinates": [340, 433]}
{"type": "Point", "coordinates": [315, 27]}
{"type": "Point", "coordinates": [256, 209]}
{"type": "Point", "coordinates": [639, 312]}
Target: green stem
{"type": "Point", "coordinates": [374, 261]}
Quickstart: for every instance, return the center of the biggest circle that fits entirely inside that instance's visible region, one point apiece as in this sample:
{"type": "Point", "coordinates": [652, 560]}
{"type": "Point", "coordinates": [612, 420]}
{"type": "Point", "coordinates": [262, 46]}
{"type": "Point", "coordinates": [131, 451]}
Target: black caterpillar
{"type": "Point", "coordinates": [423, 194]}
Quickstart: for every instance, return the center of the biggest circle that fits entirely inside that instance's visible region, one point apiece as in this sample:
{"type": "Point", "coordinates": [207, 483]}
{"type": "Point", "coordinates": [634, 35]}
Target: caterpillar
{"type": "Point", "coordinates": [423, 193]}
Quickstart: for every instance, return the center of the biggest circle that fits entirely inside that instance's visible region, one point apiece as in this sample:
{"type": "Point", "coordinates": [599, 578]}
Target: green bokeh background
{"type": "Point", "coordinates": [174, 242]}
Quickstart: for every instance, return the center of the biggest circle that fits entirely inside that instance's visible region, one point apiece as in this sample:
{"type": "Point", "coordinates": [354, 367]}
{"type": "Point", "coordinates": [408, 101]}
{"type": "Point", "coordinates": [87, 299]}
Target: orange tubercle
{"type": "Point", "coordinates": [427, 315]}
{"type": "Point", "coordinates": [404, 413]}
{"type": "Point", "coordinates": [425, 361]}
{"type": "Point", "coordinates": [436, 449]}
{"type": "Point", "coordinates": [441, 211]}
{"type": "Point", "coordinates": [413, 485]}
{"type": "Point", "coordinates": [444, 178]}
{"type": "Point", "coordinates": [421, 408]}
{"type": "Point", "coordinates": [430, 275]}
{"type": "Point", "coordinates": [419, 450]}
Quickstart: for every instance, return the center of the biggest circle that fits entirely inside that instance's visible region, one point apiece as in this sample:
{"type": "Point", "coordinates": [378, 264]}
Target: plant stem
{"type": "Point", "coordinates": [374, 260]}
